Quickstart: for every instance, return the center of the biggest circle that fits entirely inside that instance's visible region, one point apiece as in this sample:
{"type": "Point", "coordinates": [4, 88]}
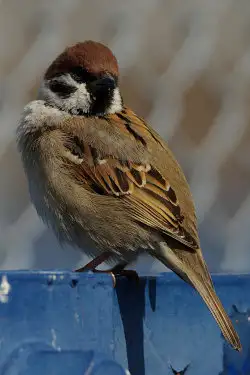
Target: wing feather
{"type": "Point", "coordinates": [148, 194]}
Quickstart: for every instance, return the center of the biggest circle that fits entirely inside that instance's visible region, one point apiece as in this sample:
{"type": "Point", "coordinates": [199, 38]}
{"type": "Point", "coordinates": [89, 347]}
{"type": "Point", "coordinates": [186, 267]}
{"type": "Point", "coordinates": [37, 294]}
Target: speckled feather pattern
{"type": "Point", "coordinates": [104, 145]}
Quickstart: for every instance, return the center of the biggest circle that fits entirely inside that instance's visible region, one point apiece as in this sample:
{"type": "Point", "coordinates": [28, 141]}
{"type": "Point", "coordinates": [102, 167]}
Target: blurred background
{"type": "Point", "coordinates": [185, 67]}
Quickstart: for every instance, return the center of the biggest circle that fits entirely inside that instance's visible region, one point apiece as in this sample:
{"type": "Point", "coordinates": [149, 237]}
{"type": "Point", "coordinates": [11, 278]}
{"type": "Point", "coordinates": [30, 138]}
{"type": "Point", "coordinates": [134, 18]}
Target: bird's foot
{"type": "Point", "coordinates": [114, 273]}
{"type": "Point", "coordinates": [94, 262]}
{"type": "Point", "coordinates": [108, 272]}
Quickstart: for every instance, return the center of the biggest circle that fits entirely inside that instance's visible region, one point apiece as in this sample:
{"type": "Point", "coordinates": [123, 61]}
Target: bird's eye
{"type": "Point", "coordinates": [61, 88]}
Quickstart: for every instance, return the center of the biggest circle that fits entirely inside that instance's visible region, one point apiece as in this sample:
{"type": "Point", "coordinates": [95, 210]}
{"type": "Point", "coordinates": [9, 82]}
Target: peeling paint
{"type": "Point", "coordinates": [5, 289]}
{"type": "Point", "coordinates": [52, 277]}
{"type": "Point", "coordinates": [53, 334]}
{"type": "Point", "coordinates": [54, 338]}
{"type": "Point", "coordinates": [77, 317]}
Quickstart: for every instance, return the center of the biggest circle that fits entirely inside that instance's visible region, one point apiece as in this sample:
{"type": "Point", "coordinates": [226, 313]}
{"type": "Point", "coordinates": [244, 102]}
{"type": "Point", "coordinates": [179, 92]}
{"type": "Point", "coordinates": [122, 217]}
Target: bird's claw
{"type": "Point", "coordinates": [113, 279]}
{"type": "Point", "coordinates": [129, 274]}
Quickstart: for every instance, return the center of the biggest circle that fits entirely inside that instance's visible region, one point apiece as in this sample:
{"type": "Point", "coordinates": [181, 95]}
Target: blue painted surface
{"type": "Point", "coordinates": [61, 322]}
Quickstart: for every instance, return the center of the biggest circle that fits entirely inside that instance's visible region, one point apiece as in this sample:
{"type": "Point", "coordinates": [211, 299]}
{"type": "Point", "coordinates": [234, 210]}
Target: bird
{"type": "Point", "coordinates": [104, 180]}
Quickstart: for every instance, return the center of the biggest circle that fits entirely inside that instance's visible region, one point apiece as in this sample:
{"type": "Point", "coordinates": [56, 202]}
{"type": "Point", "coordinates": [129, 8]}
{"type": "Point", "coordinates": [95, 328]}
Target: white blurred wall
{"type": "Point", "coordinates": [185, 66]}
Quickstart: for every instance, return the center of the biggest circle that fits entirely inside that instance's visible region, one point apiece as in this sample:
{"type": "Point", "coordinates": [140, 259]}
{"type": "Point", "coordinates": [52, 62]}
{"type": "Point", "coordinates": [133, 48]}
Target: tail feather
{"type": "Point", "coordinates": [217, 310]}
{"type": "Point", "coordinates": [204, 287]}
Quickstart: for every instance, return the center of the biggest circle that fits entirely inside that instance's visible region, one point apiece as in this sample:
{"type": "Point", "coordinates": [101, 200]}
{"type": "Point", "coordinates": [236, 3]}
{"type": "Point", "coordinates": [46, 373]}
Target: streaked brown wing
{"type": "Point", "coordinates": [150, 198]}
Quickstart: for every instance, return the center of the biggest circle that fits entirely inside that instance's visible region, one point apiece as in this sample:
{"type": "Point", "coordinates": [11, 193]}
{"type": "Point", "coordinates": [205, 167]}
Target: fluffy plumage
{"type": "Point", "coordinates": [110, 184]}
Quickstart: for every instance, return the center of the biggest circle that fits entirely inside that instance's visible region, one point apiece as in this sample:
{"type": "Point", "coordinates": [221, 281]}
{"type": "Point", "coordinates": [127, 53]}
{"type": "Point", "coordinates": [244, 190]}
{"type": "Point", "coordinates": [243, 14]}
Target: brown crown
{"type": "Point", "coordinates": [94, 57]}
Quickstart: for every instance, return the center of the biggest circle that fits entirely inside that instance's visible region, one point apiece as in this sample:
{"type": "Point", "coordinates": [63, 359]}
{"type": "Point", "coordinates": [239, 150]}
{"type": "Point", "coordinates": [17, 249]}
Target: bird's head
{"type": "Point", "coordinates": [83, 80]}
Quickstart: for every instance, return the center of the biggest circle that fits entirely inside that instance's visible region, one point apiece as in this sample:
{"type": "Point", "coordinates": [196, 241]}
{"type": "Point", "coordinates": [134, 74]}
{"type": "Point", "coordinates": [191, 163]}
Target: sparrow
{"type": "Point", "coordinates": [104, 180]}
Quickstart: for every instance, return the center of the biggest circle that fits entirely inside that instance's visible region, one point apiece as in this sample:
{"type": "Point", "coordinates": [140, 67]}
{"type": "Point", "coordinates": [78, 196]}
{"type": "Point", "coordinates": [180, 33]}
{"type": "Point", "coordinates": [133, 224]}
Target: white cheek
{"type": "Point", "coordinates": [80, 99]}
{"type": "Point", "coordinates": [116, 104]}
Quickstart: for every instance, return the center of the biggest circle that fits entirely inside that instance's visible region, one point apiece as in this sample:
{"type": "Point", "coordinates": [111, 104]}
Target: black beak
{"type": "Point", "coordinates": [106, 81]}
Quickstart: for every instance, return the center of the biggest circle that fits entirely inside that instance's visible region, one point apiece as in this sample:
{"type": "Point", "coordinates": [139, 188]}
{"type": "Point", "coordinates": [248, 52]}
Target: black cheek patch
{"type": "Point", "coordinates": [61, 89]}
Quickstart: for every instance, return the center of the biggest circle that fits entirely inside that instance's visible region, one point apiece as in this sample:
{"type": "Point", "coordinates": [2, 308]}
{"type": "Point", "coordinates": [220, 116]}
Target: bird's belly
{"type": "Point", "coordinates": [64, 225]}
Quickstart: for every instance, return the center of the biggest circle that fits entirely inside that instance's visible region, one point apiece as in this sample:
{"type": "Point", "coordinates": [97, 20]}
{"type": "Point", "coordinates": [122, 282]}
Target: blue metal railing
{"type": "Point", "coordinates": [62, 322]}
